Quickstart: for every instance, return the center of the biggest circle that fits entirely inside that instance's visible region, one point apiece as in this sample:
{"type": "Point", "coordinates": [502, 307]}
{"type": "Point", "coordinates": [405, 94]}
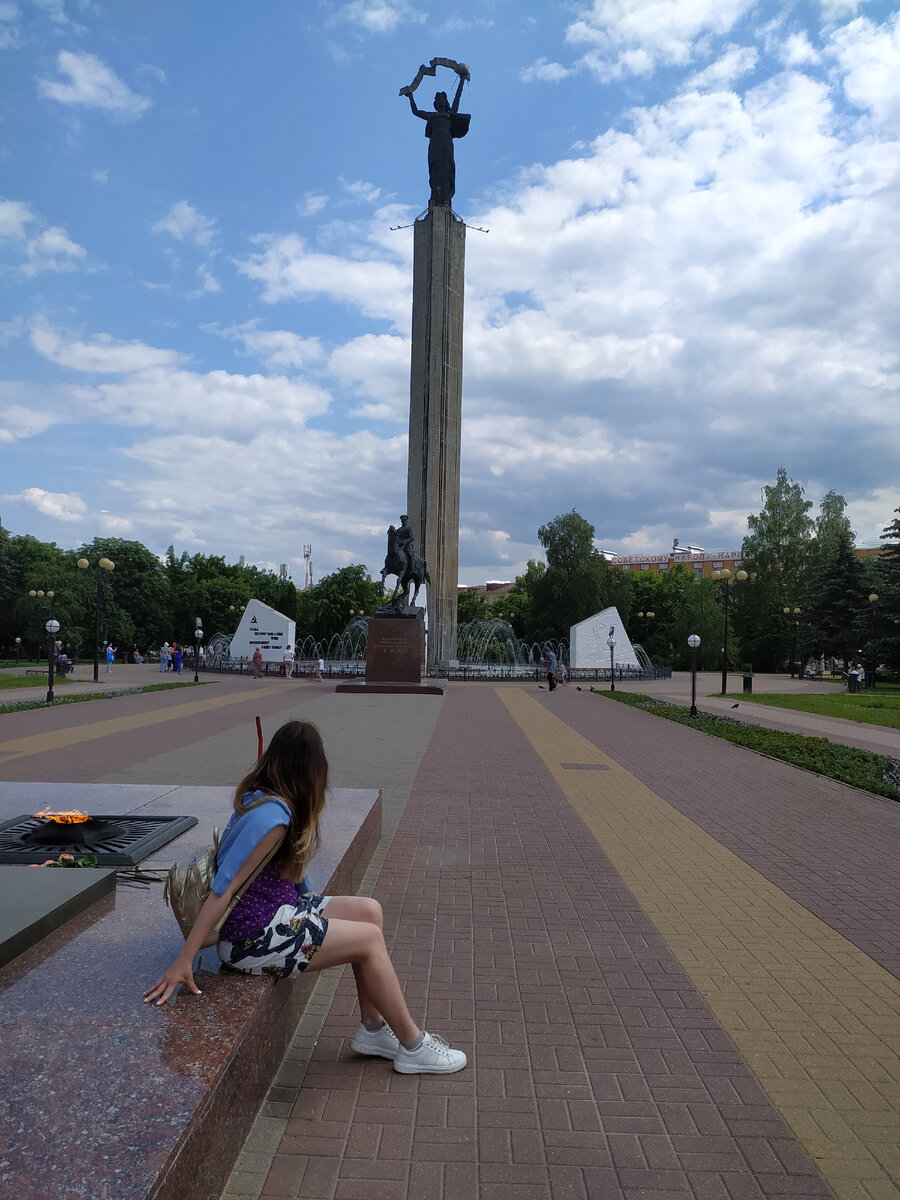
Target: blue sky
{"type": "Point", "coordinates": [690, 276]}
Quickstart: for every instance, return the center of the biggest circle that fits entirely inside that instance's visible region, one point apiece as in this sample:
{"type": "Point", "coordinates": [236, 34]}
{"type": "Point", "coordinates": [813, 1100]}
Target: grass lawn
{"type": "Point", "coordinates": [84, 697]}
{"type": "Point", "coordinates": [24, 681]}
{"type": "Point", "coordinates": [874, 772]}
{"type": "Point", "coordinates": [878, 707]}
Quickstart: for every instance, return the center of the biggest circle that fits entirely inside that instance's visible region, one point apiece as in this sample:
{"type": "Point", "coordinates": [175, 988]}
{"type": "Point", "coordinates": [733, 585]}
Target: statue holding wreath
{"type": "Point", "coordinates": [441, 127]}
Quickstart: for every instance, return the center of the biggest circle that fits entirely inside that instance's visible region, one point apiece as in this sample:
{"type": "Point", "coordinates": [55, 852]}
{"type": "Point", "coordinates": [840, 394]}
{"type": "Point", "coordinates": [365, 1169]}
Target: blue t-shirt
{"type": "Point", "coordinates": [244, 832]}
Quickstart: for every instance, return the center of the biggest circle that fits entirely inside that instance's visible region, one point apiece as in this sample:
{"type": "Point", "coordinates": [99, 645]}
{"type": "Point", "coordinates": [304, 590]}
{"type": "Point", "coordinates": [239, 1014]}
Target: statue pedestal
{"type": "Point", "coordinates": [395, 657]}
{"type": "Point", "coordinates": [396, 650]}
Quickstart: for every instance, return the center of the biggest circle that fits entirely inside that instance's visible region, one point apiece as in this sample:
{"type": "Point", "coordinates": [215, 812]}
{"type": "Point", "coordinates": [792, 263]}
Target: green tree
{"type": "Point", "coordinates": [514, 608]}
{"type": "Point", "coordinates": [32, 565]}
{"type": "Point", "coordinates": [135, 609]}
{"type": "Point", "coordinates": [578, 581]}
{"type": "Point", "coordinates": [836, 602]}
{"type": "Point", "coordinates": [701, 614]}
{"type": "Point", "coordinates": [886, 613]}
{"type": "Point", "coordinates": [669, 596]}
{"type": "Point", "coordinates": [324, 610]}
{"type": "Point", "coordinates": [472, 606]}
{"type": "Point", "coordinates": [776, 555]}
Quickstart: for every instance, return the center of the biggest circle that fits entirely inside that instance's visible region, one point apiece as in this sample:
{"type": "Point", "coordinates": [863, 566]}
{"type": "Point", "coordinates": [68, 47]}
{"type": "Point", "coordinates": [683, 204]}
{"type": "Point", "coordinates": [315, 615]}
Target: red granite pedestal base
{"type": "Point", "coordinates": [395, 657]}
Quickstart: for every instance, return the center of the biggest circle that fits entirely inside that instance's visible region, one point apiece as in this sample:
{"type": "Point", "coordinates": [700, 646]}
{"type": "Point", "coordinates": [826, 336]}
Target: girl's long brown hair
{"type": "Point", "coordinates": [293, 768]}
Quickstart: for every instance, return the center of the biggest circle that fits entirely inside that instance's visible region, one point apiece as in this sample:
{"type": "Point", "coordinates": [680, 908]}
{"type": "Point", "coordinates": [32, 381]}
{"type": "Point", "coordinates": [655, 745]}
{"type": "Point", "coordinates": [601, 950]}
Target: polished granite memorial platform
{"type": "Point", "coordinates": [105, 1097]}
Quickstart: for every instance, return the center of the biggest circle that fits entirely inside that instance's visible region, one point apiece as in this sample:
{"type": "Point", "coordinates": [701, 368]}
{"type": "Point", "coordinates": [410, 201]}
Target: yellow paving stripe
{"type": "Point", "coordinates": [816, 1019]}
{"type": "Point", "coordinates": [40, 743]}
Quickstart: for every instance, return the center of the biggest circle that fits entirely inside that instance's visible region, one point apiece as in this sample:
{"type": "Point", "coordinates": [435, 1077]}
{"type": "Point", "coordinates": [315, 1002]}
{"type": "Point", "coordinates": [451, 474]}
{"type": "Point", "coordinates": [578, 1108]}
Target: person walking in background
{"type": "Point", "coordinates": [110, 655]}
{"type": "Point", "coordinates": [287, 662]}
{"type": "Point", "coordinates": [177, 655]}
{"type": "Point", "coordinates": [552, 667]}
{"type": "Point", "coordinates": [256, 662]}
{"type": "Point", "coordinates": [320, 667]}
{"type": "Point", "coordinates": [165, 653]}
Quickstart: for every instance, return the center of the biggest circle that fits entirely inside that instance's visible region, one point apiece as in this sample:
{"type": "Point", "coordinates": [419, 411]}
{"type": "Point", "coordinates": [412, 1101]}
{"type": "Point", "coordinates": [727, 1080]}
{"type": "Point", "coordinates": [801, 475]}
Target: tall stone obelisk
{"type": "Point", "coordinates": [435, 390]}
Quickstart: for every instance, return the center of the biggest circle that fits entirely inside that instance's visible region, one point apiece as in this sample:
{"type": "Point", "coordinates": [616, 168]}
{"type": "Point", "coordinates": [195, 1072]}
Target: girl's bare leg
{"type": "Point", "coordinates": [361, 943]}
{"type": "Point", "coordinates": [359, 908]}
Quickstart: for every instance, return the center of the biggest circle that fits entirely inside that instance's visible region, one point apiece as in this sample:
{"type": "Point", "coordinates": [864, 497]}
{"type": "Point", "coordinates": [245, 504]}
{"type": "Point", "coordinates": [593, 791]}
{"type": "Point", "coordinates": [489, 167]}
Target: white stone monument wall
{"type": "Point", "coordinates": [266, 628]}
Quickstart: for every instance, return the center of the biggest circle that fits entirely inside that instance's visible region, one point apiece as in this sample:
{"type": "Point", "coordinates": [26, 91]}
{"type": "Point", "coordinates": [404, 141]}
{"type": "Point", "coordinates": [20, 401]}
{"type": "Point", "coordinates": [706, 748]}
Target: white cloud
{"type": "Point", "coordinates": [208, 283]}
{"type": "Point", "coordinates": [89, 82]}
{"type": "Point", "coordinates": [735, 62]}
{"type": "Point", "coordinates": [277, 348]}
{"type": "Point", "coordinates": [61, 506]}
{"type": "Point", "coordinates": [287, 268]}
{"type": "Point", "coordinates": [544, 71]}
{"type": "Point", "coordinates": [9, 28]}
{"type": "Point", "coordinates": [37, 246]}
{"type": "Point", "coordinates": [184, 223]}
{"type": "Point", "coordinates": [376, 367]}
{"type": "Point", "coordinates": [311, 204]}
{"type": "Point", "coordinates": [15, 217]}
{"type": "Point", "coordinates": [359, 189]}
{"type": "Point", "coordinates": [101, 355]}
{"type": "Point", "coordinates": [868, 56]}
{"type": "Point", "coordinates": [797, 50]}
{"type": "Point", "coordinates": [633, 37]}
{"type": "Point", "coordinates": [53, 250]}
{"type": "Point", "coordinates": [835, 10]}
{"type": "Point", "coordinates": [381, 16]}
{"type": "Point", "coordinates": [99, 175]}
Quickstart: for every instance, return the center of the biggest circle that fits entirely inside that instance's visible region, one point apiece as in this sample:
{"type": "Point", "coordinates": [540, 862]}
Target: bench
{"type": "Point", "coordinates": [147, 1102]}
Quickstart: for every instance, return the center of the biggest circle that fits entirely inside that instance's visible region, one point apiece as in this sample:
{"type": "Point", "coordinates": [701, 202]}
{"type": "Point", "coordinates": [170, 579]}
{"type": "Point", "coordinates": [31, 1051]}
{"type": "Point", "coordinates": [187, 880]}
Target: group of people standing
{"type": "Point", "coordinates": [170, 657]}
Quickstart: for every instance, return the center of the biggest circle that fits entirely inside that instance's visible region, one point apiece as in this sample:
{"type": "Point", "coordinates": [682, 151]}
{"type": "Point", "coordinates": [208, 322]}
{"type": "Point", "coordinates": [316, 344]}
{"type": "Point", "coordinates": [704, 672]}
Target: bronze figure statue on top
{"type": "Point", "coordinates": [441, 127]}
{"type": "Point", "coordinates": [409, 567]}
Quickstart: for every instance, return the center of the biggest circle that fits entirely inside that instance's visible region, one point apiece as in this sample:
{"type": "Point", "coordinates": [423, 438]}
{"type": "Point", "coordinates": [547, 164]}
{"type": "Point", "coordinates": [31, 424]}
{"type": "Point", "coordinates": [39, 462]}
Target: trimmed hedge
{"type": "Point", "coordinates": [847, 764]}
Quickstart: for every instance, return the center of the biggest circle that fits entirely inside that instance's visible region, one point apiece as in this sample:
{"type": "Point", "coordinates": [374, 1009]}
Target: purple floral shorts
{"type": "Point", "coordinates": [287, 943]}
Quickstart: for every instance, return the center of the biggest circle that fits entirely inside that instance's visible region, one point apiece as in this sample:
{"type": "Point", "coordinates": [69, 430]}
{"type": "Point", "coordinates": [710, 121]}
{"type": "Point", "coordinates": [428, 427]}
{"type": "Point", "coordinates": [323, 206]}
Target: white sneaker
{"type": "Point", "coordinates": [382, 1043]}
{"type": "Point", "coordinates": [433, 1057]}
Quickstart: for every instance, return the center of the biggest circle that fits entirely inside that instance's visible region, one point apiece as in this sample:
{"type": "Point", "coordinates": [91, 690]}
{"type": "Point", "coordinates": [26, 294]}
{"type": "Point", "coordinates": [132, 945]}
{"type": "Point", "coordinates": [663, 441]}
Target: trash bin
{"type": "Point", "coordinates": [748, 684]}
{"type": "Point", "coordinates": [852, 684]}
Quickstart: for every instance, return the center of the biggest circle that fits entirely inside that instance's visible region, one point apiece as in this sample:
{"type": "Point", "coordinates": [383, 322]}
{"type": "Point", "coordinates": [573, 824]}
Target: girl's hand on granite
{"type": "Point", "coordinates": [179, 974]}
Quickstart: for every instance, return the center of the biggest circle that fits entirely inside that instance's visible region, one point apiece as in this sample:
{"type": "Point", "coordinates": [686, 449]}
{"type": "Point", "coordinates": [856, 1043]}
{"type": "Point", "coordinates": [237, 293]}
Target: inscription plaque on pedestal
{"type": "Point", "coordinates": [396, 650]}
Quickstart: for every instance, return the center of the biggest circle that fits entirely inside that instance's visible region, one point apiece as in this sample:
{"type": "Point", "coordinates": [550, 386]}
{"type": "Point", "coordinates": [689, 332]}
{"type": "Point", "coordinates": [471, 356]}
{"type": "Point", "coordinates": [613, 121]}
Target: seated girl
{"type": "Point", "coordinates": [275, 930]}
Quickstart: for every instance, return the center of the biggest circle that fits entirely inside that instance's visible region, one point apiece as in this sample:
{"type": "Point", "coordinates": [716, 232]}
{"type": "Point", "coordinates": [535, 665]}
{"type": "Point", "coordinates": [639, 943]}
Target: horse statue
{"type": "Point", "coordinates": [409, 567]}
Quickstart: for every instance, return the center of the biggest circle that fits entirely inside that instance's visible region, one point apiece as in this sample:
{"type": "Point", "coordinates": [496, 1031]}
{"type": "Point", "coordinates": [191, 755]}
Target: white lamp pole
{"type": "Point", "coordinates": [52, 628]}
{"type": "Point", "coordinates": [693, 642]}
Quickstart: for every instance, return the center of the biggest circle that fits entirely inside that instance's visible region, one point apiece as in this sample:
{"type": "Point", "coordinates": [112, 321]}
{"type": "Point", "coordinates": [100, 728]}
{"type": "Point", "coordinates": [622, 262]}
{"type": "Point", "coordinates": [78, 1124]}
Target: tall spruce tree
{"type": "Point", "coordinates": [776, 555]}
{"type": "Point", "coordinates": [886, 614]}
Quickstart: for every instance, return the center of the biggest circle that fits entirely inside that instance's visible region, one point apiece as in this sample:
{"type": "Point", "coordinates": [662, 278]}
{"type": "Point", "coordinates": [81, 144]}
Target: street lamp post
{"type": "Point", "coordinates": [103, 566]}
{"type": "Point", "coordinates": [724, 578]}
{"type": "Point", "coordinates": [52, 628]}
{"type": "Point", "coordinates": [18, 650]}
{"type": "Point", "coordinates": [693, 642]}
{"type": "Point", "coordinates": [873, 601]}
{"type": "Point", "coordinates": [198, 638]}
{"type": "Point", "coordinates": [611, 642]}
{"type": "Point", "coordinates": [794, 615]}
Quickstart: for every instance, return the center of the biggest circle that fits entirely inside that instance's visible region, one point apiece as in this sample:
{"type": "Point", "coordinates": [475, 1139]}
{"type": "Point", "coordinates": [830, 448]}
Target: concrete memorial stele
{"type": "Point", "coordinates": [435, 390]}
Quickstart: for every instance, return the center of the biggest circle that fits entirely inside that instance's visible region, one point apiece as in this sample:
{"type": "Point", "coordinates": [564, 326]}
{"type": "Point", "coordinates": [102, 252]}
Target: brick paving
{"type": "Point", "coordinates": [598, 1067]}
{"type": "Point", "coordinates": [673, 962]}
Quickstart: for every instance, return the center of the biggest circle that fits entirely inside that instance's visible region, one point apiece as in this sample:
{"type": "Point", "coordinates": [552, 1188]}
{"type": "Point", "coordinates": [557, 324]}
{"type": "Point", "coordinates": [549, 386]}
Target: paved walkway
{"type": "Point", "coordinates": [674, 962]}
